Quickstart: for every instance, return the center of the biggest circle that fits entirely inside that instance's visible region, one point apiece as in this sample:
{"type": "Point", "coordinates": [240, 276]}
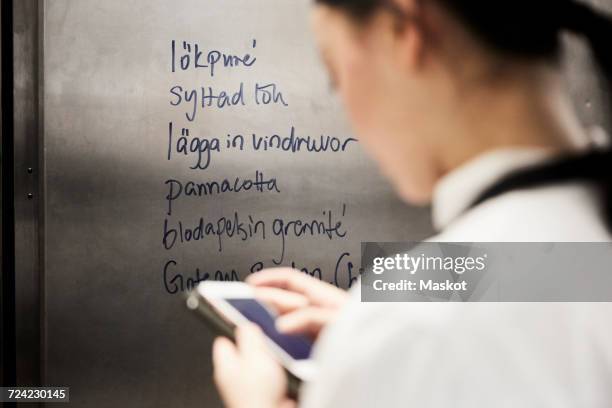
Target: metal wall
{"type": "Point", "coordinates": [94, 308]}
{"type": "Point", "coordinates": [114, 333]}
{"type": "Point", "coordinates": [28, 188]}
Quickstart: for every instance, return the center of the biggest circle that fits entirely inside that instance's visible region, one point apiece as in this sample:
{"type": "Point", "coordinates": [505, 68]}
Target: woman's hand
{"type": "Point", "coordinates": [305, 304]}
{"type": "Point", "coordinates": [246, 373]}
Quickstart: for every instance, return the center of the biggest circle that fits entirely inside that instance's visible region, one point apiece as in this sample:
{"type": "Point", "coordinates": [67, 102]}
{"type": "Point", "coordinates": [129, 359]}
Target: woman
{"type": "Point", "coordinates": [462, 105]}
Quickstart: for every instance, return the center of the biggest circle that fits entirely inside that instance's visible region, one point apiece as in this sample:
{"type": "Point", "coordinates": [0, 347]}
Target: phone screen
{"type": "Point", "coordinates": [298, 347]}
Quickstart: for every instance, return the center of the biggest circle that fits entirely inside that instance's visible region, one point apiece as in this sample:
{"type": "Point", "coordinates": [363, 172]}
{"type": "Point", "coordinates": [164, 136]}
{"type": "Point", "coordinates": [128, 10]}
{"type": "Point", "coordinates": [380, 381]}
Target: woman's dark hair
{"type": "Point", "coordinates": [528, 29]}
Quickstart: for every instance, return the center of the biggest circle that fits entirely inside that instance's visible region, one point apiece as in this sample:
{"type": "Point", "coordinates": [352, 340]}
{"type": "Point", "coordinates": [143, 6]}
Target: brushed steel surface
{"type": "Point", "coordinates": [114, 334]}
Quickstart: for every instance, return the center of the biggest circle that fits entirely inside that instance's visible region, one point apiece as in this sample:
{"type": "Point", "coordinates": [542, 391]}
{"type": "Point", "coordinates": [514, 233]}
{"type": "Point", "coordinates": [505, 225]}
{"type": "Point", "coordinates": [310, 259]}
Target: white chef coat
{"type": "Point", "coordinates": [477, 354]}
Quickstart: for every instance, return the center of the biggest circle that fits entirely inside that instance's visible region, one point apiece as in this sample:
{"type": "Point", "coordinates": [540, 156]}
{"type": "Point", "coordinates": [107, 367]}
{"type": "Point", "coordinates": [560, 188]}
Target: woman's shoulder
{"type": "Point", "coordinates": [569, 212]}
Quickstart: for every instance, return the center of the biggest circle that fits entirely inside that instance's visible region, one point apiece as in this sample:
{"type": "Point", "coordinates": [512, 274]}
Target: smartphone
{"type": "Point", "coordinates": [226, 305]}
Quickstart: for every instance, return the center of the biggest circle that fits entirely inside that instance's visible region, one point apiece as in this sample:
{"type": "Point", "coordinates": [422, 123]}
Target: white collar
{"type": "Point", "coordinates": [456, 191]}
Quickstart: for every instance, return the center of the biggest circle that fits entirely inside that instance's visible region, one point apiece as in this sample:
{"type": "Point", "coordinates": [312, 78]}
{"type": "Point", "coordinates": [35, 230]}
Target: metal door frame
{"type": "Point", "coordinates": [22, 193]}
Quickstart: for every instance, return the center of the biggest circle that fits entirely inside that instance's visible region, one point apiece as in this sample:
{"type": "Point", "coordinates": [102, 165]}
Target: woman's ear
{"type": "Point", "coordinates": [409, 36]}
{"type": "Point", "coordinates": [410, 46]}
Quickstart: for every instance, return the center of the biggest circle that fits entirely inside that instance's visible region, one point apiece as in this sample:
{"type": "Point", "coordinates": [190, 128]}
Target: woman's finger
{"type": "Point", "coordinates": [288, 403]}
{"type": "Point", "coordinates": [250, 339]}
{"type": "Point", "coordinates": [274, 277]}
{"type": "Point", "coordinates": [283, 301]}
{"type": "Point", "coordinates": [225, 360]}
{"type": "Point", "coordinates": [309, 321]}
{"type": "Point", "coordinates": [295, 281]}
